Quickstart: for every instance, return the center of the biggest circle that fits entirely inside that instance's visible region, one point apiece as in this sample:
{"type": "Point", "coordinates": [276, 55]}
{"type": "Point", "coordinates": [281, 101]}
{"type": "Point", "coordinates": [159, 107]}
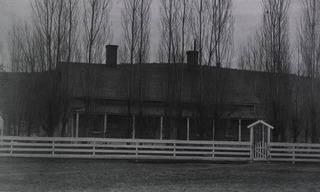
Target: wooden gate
{"type": "Point", "coordinates": [259, 143]}
{"type": "Point", "coordinates": [260, 140]}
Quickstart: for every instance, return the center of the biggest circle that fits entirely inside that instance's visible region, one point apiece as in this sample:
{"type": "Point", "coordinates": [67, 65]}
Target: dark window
{"type": "Point", "coordinates": [119, 126]}
{"type": "Point", "coordinates": [91, 125]}
{"type": "Point", "coordinates": [147, 127]}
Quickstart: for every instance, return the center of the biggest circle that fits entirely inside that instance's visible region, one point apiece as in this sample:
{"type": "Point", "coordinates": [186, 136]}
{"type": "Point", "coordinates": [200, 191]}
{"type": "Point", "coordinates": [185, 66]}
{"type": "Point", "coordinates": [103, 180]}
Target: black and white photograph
{"type": "Point", "coordinates": [160, 95]}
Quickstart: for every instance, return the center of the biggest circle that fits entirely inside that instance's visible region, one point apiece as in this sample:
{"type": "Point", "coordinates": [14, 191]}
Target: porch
{"type": "Point", "coordinates": [156, 127]}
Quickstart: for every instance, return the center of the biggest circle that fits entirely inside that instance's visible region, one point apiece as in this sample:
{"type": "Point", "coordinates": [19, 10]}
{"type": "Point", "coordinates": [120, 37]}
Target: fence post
{"type": "Point", "coordinates": [136, 148]}
{"type": "Point", "coordinates": [293, 154]}
{"type": "Point", "coordinates": [52, 147]}
{"type": "Point", "coordinates": [174, 149]}
{"type": "Point", "coordinates": [268, 152]}
{"type": "Point", "coordinates": [94, 147]}
{"type": "Point", "coordinates": [213, 150]}
{"type": "Point", "coordinates": [11, 147]}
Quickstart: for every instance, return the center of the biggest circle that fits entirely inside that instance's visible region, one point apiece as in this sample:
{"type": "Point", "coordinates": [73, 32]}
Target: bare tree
{"type": "Point", "coordinates": [38, 47]}
{"type": "Point", "coordinates": [269, 50]}
{"type": "Point", "coordinates": [276, 42]}
{"type": "Point", "coordinates": [96, 34]}
{"type": "Point", "coordinates": [2, 57]}
{"type": "Point", "coordinates": [144, 15]}
{"type": "Point", "coordinates": [198, 25]}
{"type": "Point", "coordinates": [276, 36]}
{"type": "Point", "coordinates": [169, 32]}
{"type": "Point", "coordinates": [169, 52]}
{"type": "Point", "coordinates": [96, 23]}
{"type": "Point", "coordinates": [219, 38]}
{"type": "Point", "coordinates": [252, 55]}
{"type": "Point", "coordinates": [130, 26]}
{"type": "Point", "coordinates": [72, 30]}
{"type": "Point", "coordinates": [185, 18]}
{"type": "Point", "coordinates": [212, 26]}
{"type": "Point", "coordinates": [309, 49]}
{"type": "Point", "coordinates": [71, 50]}
{"type": "Point", "coordinates": [135, 19]}
{"type": "Point", "coordinates": [44, 23]}
{"type": "Point", "coordinates": [175, 33]}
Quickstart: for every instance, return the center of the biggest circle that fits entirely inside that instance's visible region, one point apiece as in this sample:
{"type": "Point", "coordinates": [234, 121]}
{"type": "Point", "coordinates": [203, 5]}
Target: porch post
{"type": "Point", "coordinates": [4, 125]}
{"type": "Point", "coordinates": [161, 127]}
{"type": "Point", "coordinates": [72, 125]}
{"type": "Point", "coordinates": [105, 122]}
{"type": "Point", "coordinates": [134, 127]}
{"type": "Point", "coordinates": [213, 129]}
{"type": "Point", "coordinates": [239, 130]}
{"type": "Point", "coordinates": [188, 128]}
{"type": "Point", "coordinates": [263, 134]}
{"type": "Point", "coordinates": [1, 126]}
{"type": "Point", "coordinates": [268, 135]}
{"type": "Point", "coordinates": [77, 125]}
{"type": "Point", "coordinates": [251, 135]}
{"type": "Point", "coordinates": [2, 132]}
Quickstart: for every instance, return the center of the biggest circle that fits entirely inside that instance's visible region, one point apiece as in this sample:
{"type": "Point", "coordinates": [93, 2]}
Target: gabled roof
{"type": "Point", "coordinates": [157, 81]}
{"type": "Point", "coordinates": [260, 122]}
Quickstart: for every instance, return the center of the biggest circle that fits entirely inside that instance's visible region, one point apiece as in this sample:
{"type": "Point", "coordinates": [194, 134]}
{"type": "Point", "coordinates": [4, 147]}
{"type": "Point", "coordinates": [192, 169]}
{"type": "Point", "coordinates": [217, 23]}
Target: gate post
{"type": "Point", "coordinates": [252, 146]}
{"type": "Point", "coordinates": [268, 144]}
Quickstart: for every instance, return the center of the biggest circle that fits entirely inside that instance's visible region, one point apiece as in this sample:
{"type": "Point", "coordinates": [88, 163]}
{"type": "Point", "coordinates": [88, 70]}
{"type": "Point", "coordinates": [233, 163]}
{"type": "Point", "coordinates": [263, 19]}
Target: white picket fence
{"type": "Point", "coordinates": [294, 152]}
{"type": "Point", "coordinates": [124, 149]}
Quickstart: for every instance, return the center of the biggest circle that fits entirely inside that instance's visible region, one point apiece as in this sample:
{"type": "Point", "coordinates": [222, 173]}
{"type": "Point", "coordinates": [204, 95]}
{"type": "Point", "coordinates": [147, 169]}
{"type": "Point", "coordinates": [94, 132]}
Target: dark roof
{"type": "Point", "coordinates": [16, 87]}
{"type": "Point", "coordinates": [114, 82]}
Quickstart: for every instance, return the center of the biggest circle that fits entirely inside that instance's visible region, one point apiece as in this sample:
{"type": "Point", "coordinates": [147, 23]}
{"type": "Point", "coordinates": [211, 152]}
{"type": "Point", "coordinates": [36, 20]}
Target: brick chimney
{"type": "Point", "coordinates": [111, 55]}
{"type": "Point", "coordinates": [192, 60]}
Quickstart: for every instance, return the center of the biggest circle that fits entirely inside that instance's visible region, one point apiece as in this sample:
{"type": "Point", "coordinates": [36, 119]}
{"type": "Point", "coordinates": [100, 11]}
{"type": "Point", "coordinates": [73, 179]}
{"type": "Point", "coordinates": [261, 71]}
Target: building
{"type": "Point", "coordinates": [158, 101]}
{"type": "Point", "coordinates": [148, 101]}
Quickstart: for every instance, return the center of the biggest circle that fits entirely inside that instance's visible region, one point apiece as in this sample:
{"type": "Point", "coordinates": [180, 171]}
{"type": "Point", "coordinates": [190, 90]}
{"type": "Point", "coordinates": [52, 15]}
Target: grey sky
{"type": "Point", "coordinates": [247, 14]}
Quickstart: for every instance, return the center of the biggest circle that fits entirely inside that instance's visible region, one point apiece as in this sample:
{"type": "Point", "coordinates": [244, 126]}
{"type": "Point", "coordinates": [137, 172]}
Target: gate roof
{"type": "Point", "coordinates": [260, 122]}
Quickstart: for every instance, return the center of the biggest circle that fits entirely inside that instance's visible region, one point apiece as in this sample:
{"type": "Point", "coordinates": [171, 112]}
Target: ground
{"type": "Point", "coordinates": [22, 174]}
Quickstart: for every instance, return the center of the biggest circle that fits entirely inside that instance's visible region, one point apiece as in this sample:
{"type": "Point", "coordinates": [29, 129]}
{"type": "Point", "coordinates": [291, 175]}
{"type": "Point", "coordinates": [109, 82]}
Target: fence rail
{"type": "Point", "coordinates": [153, 149]}
{"type": "Point", "coordinates": [294, 152]}
{"type": "Point", "coordinates": [124, 149]}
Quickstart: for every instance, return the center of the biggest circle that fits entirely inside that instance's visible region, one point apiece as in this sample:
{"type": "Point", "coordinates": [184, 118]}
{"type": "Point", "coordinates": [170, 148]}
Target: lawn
{"type": "Point", "coordinates": [22, 174]}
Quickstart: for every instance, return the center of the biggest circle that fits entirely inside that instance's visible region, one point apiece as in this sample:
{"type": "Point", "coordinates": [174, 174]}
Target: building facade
{"type": "Point", "coordinates": [180, 101]}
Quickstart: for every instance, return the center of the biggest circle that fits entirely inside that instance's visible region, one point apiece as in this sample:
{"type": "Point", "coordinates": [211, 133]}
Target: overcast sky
{"type": "Point", "coordinates": [248, 14]}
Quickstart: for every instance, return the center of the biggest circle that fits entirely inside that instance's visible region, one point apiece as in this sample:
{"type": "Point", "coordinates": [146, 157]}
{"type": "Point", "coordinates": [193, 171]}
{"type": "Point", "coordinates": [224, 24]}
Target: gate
{"type": "Point", "coordinates": [260, 140]}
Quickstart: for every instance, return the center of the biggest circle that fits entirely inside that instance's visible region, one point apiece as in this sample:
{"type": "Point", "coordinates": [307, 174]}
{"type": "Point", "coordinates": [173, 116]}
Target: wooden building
{"type": "Point", "coordinates": [158, 100]}
{"type": "Point", "coordinates": [148, 101]}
